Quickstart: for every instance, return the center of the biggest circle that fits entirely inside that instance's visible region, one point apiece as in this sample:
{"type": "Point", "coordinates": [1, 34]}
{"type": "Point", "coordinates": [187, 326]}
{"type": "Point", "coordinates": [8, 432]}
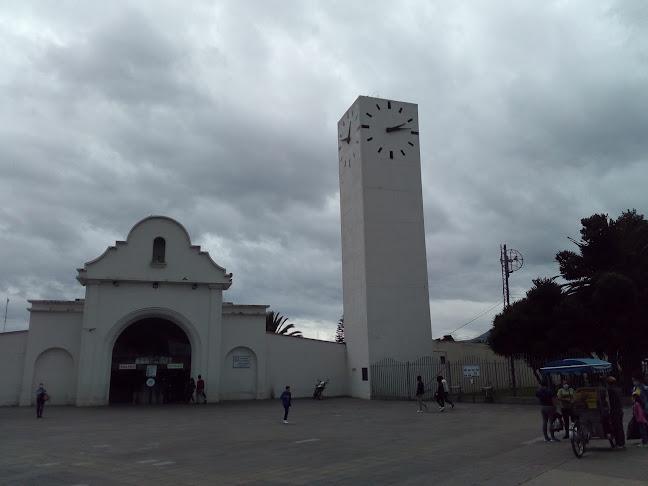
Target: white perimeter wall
{"type": "Point", "coordinates": [13, 346]}
{"type": "Point", "coordinates": [300, 362]}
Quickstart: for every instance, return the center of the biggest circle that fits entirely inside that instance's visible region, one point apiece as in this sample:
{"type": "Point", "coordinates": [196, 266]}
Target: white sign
{"type": "Point", "coordinates": [151, 370]}
{"type": "Point", "coordinates": [470, 371]}
{"type": "Point", "coordinates": [241, 361]}
{"type": "Point", "coordinates": [175, 366]}
{"type": "Point", "coordinates": [129, 366]}
{"type": "Point", "coordinates": [150, 382]}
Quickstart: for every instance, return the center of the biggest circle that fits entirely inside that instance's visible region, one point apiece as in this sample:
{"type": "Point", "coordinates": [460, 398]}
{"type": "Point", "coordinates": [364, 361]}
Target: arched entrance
{"type": "Point", "coordinates": [151, 363]}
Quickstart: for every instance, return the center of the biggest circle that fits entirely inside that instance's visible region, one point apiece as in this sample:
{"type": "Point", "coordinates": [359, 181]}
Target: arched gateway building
{"type": "Point", "coordinates": [153, 315]}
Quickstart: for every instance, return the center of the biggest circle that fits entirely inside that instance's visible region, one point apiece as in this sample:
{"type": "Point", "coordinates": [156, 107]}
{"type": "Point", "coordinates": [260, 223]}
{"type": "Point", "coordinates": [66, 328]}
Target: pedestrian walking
{"type": "Point", "coordinates": [446, 391]}
{"type": "Point", "coordinates": [616, 412]}
{"type": "Point", "coordinates": [440, 394]}
{"type": "Point", "coordinates": [565, 398]}
{"type": "Point", "coordinates": [285, 400]}
{"type": "Point", "coordinates": [41, 398]}
{"type": "Point", "coordinates": [547, 408]}
{"type": "Point", "coordinates": [640, 418]}
{"type": "Point", "coordinates": [200, 391]}
{"type": "Point", "coordinates": [420, 391]}
{"type": "Point", "coordinates": [189, 392]}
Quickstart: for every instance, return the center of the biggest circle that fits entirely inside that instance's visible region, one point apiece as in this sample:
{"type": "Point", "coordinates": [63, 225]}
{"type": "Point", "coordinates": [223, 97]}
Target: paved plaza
{"type": "Point", "coordinates": [340, 441]}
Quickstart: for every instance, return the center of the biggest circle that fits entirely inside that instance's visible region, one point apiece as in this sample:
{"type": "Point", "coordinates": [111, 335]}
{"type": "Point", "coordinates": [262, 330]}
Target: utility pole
{"type": "Point", "coordinates": [511, 261]}
{"type": "Point", "coordinates": [4, 327]}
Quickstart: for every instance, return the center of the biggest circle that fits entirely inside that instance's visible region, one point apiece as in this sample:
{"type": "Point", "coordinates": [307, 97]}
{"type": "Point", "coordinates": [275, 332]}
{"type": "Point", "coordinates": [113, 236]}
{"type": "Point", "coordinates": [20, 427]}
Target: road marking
{"type": "Point", "coordinates": [102, 445]}
{"type": "Point", "coordinates": [79, 485]}
{"type": "Point", "coordinates": [307, 440]}
{"type": "Point", "coordinates": [81, 464]}
{"type": "Point", "coordinates": [147, 461]}
{"type": "Point", "coordinates": [537, 439]}
{"type": "Point", "coordinates": [163, 463]}
{"type": "Point", "coordinates": [48, 464]}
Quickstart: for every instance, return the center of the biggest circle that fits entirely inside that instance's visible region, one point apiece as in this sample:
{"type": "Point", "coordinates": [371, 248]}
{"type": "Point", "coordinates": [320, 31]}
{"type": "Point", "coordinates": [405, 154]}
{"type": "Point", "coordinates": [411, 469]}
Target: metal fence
{"type": "Point", "coordinates": [395, 380]}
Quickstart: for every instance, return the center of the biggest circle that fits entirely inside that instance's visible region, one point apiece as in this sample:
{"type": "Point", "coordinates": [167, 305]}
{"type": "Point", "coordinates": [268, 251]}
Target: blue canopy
{"type": "Point", "coordinates": [571, 365]}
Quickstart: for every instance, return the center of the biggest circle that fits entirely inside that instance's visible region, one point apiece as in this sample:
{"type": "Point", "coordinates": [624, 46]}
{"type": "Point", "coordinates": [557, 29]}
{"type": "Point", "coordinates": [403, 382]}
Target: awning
{"type": "Point", "coordinates": [572, 365]}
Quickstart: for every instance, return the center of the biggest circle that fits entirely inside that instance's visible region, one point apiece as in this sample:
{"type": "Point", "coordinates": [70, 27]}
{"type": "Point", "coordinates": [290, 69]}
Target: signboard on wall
{"type": "Point", "coordinates": [127, 366]}
{"type": "Point", "coordinates": [151, 370]}
{"type": "Point", "coordinates": [470, 371]}
{"type": "Point", "coordinates": [241, 361]}
{"type": "Point", "coordinates": [150, 382]}
{"type": "Point", "coordinates": [175, 366]}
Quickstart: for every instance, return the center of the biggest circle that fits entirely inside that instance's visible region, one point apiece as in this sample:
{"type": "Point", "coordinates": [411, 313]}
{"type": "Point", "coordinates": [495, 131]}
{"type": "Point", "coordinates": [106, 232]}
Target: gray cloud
{"type": "Point", "coordinates": [224, 117]}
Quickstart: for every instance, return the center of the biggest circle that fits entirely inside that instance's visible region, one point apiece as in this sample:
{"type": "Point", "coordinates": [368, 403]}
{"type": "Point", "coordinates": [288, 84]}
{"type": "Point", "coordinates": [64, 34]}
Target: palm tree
{"type": "Point", "coordinates": [339, 333]}
{"type": "Point", "coordinates": [276, 323]}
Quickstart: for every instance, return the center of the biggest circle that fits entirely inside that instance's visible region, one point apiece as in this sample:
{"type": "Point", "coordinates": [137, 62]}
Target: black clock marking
{"type": "Point", "coordinates": [380, 150]}
{"type": "Point", "coordinates": [365, 126]}
{"type": "Point", "coordinates": [391, 154]}
{"type": "Point", "coordinates": [369, 115]}
{"type": "Point", "coordinates": [369, 139]}
{"type": "Point", "coordinates": [402, 152]}
{"type": "Point", "coordinates": [410, 120]}
{"type": "Point", "coordinates": [414, 133]}
{"type": "Point", "coordinates": [401, 110]}
{"type": "Point", "coordinates": [389, 105]}
{"type": "Point", "coordinates": [411, 143]}
{"type": "Point", "coordinates": [377, 106]}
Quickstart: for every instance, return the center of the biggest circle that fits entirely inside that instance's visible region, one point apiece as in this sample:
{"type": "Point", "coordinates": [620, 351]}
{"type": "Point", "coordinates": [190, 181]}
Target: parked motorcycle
{"type": "Point", "coordinates": [319, 389]}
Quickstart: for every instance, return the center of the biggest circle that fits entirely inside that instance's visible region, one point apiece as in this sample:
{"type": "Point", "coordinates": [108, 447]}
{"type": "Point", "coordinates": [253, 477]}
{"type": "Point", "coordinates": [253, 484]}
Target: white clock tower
{"type": "Point", "coordinates": [384, 264]}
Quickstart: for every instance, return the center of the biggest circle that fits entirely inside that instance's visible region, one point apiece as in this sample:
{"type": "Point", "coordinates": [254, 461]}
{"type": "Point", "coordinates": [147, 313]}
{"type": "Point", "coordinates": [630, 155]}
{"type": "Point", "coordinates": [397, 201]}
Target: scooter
{"type": "Point", "coordinates": [319, 389]}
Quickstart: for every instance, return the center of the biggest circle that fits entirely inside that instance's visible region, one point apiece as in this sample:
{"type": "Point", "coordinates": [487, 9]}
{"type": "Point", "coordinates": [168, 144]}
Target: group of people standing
{"type": "Point", "coordinates": [442, 394]}
{"type": "Point", "coordinates": [565, 396]}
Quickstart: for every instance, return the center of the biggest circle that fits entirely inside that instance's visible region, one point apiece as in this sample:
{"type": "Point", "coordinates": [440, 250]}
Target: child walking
{"type": "Point", "coordinates": [640, 418]}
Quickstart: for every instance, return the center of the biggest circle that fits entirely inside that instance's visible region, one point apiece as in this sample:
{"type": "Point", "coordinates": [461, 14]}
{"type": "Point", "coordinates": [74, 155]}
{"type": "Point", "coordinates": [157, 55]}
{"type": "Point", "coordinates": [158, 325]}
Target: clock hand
{"type": "Point", "coordinates": [397, 127]}
{"type": "Point", "coordinates": [348, 137]}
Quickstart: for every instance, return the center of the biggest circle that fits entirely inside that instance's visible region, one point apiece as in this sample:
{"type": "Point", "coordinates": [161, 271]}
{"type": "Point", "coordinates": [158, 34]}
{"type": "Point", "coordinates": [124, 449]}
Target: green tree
{"type": "Point", "coordinates": [277, 323]}
{"type": "Point", "coordinates": [339, 333]}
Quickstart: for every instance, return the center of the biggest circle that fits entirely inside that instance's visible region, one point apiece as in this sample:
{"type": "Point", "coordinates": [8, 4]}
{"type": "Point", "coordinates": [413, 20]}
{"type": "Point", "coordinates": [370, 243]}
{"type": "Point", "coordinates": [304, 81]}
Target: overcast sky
{"type": "Point", "coordinates": [222, 115]}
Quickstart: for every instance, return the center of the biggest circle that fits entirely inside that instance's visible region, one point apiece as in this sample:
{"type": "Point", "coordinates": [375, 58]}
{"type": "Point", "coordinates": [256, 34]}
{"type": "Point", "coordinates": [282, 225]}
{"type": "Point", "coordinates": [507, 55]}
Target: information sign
{"type": "Point", "coordinates": [241, 361]}
{"type": "Point", "coordinates": [127, 366]}
{"type": "Point", "coordinates": [151, 370]}
{"type": "Point", "coordinates": [175, 366]}
{"type": "Point", "coordinates": [470, 371]}
{"type": "Point", "coordinates": [150, 382]}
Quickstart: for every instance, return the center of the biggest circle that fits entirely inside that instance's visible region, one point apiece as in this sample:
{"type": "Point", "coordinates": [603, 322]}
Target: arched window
{"type": "Point", "coordinates": [158, 250]}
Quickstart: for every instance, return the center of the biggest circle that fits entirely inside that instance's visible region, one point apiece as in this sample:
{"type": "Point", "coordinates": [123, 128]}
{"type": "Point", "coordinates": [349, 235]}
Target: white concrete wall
{"type": "Point", "coordinates": [13, 346]}
{"type": "Point", "coordinates": [300, 362]}
{"type": "Point", "coordinates": [53, 350]}
{"type": "Point", "coordinates": [243, 335]}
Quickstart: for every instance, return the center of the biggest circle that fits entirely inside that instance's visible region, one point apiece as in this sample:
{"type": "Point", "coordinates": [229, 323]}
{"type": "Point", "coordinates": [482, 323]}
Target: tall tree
{"type": "Point", "coordinates": [277, 323]}
{"type": "Point", "coordinates": [339, 333]}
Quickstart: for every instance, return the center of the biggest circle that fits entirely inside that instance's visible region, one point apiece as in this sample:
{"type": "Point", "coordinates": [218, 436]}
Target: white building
{"type": "Point", "coordinates": [154, 308]}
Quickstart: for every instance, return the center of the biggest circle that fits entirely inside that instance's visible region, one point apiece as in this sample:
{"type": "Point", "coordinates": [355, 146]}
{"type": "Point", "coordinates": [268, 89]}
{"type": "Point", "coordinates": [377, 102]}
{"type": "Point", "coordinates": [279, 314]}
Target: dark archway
{"type": "Point", "coordinates": [150, 348]}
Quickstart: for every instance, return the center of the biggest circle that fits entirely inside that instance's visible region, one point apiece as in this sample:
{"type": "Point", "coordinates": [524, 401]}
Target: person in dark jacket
{"type": "Point", "coordinates": [616, 412]}
{"type": "Point", "coordinates": [547, 408]}
{"type": "Point", "coordinates": [41, 398]}
{"type": "Point", "coordinates": [285, 400]}
{"type": "Point", "coordinates": [420, 391]}
{"type": "Point", "coordinates": [440, 394]}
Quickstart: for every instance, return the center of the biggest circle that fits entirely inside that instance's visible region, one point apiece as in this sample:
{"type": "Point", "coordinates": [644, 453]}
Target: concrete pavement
{"type": "Point", "coordinates": [334, 441]}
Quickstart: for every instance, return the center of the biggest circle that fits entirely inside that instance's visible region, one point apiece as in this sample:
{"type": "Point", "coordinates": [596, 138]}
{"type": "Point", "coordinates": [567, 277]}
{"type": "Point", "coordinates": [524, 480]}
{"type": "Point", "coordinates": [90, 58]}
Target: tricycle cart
{"type": "Point", "coordinates": [591, 405]}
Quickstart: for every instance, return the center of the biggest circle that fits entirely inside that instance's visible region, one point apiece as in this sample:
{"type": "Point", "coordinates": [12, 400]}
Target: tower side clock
{"type": "Point", "coordinates": [389, 129]}
{"type": "Point", "coordinates": [349, 138]}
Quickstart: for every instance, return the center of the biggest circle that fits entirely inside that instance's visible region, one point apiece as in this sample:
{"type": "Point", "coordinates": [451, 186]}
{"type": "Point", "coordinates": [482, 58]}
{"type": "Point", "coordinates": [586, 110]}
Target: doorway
{"type": "Point", "coordinates": [151, 364]}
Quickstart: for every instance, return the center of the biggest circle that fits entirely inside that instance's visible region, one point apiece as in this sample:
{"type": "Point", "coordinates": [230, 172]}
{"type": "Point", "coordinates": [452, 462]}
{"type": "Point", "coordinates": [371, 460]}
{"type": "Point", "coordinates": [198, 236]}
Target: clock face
{"type": "Point", "coordinates": [389, 129]}
{"type": "Point", "coordinates": [349, 138]}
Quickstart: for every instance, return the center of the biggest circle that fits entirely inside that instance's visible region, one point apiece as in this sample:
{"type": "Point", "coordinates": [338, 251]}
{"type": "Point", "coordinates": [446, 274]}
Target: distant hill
{"type": "Point", "coordinates": [479, 339]}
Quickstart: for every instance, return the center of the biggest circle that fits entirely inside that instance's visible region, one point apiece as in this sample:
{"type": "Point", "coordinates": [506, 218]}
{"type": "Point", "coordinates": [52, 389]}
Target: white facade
{"type": "Point", "coordinates": [384, 264]}
{"type": "Point", "coordinates": [158, 274]}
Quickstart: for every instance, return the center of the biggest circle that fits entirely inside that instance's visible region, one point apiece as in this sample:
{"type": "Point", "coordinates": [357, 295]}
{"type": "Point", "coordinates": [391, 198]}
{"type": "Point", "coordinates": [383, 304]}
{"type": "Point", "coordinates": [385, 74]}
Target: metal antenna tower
{"type": "Point", "coordinates": [511, 261]}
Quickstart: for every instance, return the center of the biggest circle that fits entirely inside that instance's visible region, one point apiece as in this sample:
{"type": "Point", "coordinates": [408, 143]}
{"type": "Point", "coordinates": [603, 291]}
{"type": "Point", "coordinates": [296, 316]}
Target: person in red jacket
{"type": "Point", "coordinates": [200, 391]}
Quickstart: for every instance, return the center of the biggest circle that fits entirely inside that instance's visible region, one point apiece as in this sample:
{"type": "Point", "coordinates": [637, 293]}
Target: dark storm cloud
{"type": "Point", "coordinates": [223, 116]}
